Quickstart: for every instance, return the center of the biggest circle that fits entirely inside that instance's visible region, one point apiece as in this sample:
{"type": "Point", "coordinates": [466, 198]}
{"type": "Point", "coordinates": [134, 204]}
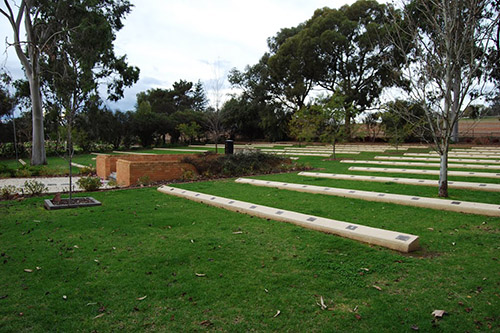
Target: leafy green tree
{"type": "Point", "coordinates": [59, 33]}
{"type": "Point", "coordinates": [305, 123]}
{"type": "Point", "coordinates": [183, 103]}
{"type": "Point", "coordinates": [145, 123]}
{"type": "Point", "coordinates": [404, 121]}
{"type": "Point", "coordinates": [350, 53]}
{"type": "Point", "coordinates": [190, 131]}
{"type": "Point", "coordinates": [333, 117]}
{"type": "Point", "coordinates": [242, 118]}
{"type": "Point", "coordinates": [291, 68]}
{"type": "Point", "coordinates": [260, 97]}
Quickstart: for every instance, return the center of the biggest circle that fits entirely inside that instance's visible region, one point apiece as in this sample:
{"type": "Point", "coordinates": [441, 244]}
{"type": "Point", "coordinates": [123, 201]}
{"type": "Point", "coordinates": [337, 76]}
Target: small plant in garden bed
{"type": "Point", "coordinates": [88, 170]}
{"type": "Point", "coordinates": [33, 187]}
{"type": "Point", "coordinates": [89, 183]}
{"type": "Point", "coordinates": [8, 192]}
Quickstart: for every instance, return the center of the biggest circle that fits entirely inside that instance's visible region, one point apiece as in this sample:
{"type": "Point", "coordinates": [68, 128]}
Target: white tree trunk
{"type": "Point", "coordinates": [38, 156]}
{"type": "Point", "coordinates": [443, 174]}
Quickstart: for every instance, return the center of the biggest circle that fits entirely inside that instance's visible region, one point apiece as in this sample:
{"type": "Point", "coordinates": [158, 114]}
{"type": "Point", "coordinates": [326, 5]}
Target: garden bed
{"type": "Point", "coordinates": [64, 203]}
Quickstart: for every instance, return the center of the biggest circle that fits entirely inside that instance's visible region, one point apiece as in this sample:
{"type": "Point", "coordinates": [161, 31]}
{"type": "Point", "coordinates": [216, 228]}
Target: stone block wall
{"type": "Point", "coordinates": [106, 164]}
{"type": "Point", "coordinates": [129, 172]}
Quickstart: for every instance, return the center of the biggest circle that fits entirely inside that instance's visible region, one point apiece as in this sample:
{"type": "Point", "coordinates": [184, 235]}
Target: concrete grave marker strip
{"type": "Point", "coordinates": [428, 172]}
{"type": "Point", "coordinates": [430, 165]}
{"type": "Point", "coordinates": [435, 159]}
{"type": "Point", "coordinates": [400, 199]}
{"type": "Point", "coordinates": [408, 181]}
{"type": "Point", "coordinates": [376, 236]}
{"type": "Point", "coordinates": [497, 156]}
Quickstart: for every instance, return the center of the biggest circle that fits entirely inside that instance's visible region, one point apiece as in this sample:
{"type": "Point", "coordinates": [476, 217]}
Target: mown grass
{"type": "Point", "coordinates": [144, 243]}
{"type": "Point", "coordinates": [56, 166]}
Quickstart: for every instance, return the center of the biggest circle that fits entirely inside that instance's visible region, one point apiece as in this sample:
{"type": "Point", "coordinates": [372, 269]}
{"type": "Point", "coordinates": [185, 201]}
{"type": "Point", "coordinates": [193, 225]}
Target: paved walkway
{"type": "Point", "coordinates": [54, 184]}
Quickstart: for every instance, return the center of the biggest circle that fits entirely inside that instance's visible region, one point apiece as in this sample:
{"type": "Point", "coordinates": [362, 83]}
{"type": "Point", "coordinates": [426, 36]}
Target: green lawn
{"type": "Point", "coordinates": [204, 268]}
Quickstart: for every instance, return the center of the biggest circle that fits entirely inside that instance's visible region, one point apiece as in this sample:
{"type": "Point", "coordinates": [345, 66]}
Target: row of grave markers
{"type": "Point", "coordinates": [391, 239]}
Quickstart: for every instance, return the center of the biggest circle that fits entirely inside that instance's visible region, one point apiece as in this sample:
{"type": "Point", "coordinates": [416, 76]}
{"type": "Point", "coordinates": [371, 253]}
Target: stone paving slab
{"type": "Point", "coordinates": [435, 159]}
{"type": "Point", "coordinates": [408, 181]}
{"type": "Point", "coordinates": [427, 172]}
{"type": "Point", "coordinates": [429, 165]}
{"type": "Point", "coordinates": [54, 184]}
{"type": "Point", "coordinates": [401, 199]}
{"type": "Point", "coordinates": [391, 239]}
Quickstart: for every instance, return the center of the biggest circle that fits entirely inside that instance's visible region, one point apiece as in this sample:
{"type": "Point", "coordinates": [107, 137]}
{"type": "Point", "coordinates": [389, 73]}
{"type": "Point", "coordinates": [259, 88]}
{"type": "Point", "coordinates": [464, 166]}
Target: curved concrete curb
{"type": "Point", "coordinates": [435, 159]}
{"type": "Point", "coordinates": [407, 181]}
{"type": "Point", "coordinates": [407, 200]}
{"type": "Point", "coordinates": [386, 238]}
{"type": "Point", "coordinates": [131, 153]}
{"type": "Point", "coordinates": [429, 165]}
{"type": "Point", "coordinates": [428, 172]}
{"type": "Point", "coordinates": [184, 150]}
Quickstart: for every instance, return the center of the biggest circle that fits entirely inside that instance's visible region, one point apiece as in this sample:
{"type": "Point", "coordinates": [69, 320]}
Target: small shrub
{"type": "Point", "coordinates": [188, 175]}
{"type": "Point", "coordinates": [33, 187]}
{"type": "Point", "coordinates": [23, 172]}
{"type": "Point", "coordinates": [144, 180]}
{"type": "Point", "coordinates": [88, 170]}
{"type": "Point", "coordinates": [8, 191]}
{"type": "Point", "coordinates": [112, 183]}
{"type": "Point", "coordinates": [89, 183]}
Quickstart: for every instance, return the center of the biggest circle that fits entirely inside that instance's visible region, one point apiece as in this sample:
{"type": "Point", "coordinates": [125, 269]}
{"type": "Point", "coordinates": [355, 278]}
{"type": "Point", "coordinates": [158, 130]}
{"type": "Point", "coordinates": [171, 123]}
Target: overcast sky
{"type": "Point", "coordinates": [183, 39]}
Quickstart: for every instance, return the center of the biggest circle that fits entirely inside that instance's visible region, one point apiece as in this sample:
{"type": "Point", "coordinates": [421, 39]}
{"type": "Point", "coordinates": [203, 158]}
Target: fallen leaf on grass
{"type": "Point", "coordinates": [438, 313]}
{"type": "Point", "coordinates": [200, 275]}
{"type": "Point", "coordinates": [277, 314]}
{"type": "Point", "coordinates": [358, 317]}
{"type": "Point", "coordinates": [206, 323]}
{"type": "Point", "coordinates": [142, 298]}
{"type": "Point", "coordinates": [27, 270]}
{"type": "Point", "coordinates": [99, 315]}
{"type": "Point", "coordinates": [377, 287]}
